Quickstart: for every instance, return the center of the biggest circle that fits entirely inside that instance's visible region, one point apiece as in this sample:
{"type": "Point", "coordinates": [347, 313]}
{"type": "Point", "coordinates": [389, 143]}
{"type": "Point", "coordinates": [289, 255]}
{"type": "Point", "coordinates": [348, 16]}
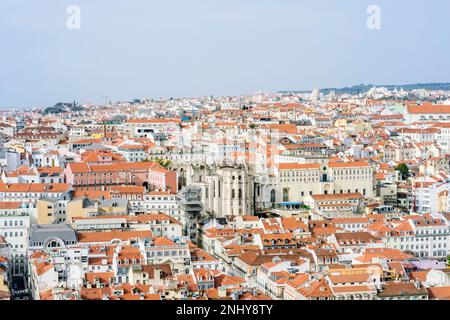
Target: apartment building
{"type": "Point", "coordinates": [32, 192]}
{"type": "Point", "coordinates": [424, 236]}
{"type": "Point", "coordinates": [15, 221]}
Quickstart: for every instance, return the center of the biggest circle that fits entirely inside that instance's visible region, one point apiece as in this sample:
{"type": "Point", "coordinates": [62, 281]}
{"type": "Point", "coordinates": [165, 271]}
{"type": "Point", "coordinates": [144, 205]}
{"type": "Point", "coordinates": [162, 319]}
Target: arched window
{"type": "Point", "coordinates": [285, 195]}
{"type": "Point", "coordinates": [272, 196]}
{"type": "Point", "coordinates": [53, 244]}
{"type": "Point", "coordinates": [240, 193]}
{"type": "Point", "coordinates": [233, 194]}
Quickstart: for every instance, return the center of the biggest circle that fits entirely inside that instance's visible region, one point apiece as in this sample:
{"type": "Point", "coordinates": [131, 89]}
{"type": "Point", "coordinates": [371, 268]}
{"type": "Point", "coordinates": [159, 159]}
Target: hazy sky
{"type": "Point", "coordinates": [175, 48]}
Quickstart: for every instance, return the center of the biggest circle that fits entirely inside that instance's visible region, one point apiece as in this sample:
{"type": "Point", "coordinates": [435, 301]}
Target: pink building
{"type": "Point", "coordinates": [85, 176]}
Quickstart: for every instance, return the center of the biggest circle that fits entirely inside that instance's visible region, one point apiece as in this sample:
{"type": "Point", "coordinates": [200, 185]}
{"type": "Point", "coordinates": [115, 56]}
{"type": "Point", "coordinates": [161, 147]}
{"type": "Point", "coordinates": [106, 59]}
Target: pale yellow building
{"type": "Point", "coordinates": [296, 181]}
{"type": "Point", "coordinates": [47, 211]}
{"type": "Point", "coordinates": [80, 208]}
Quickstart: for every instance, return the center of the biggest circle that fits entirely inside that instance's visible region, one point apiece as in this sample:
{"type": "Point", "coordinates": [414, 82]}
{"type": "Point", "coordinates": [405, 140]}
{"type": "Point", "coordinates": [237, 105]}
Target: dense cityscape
{"type": "Point", "coordinates": [271, 196]}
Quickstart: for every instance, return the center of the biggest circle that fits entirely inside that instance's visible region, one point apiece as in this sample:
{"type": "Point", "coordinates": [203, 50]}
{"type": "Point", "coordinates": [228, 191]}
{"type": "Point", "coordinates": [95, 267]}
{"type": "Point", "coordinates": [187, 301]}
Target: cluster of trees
{"type": "Point", "coordinates": [62, 107]}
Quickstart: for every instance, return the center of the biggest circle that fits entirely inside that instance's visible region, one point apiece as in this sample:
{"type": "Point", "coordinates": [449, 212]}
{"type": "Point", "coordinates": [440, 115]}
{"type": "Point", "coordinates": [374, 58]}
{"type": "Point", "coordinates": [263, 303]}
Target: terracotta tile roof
{"type": "Point", "coordinates": [102, 277]}
{"type": "Point", "coordinates": [385, 253]}
{"type": "Point", "coordinates": [297, 166]}
{"type": "Point", "coordinates": [161, 193]}
{"type": "Point", "coordinates": [337, 196]}
{"type": "Point", "coordinates": [50, 170]}
{"type": "Point", "coordinates": [10, 205]}
{"type": "Point", "coordinates": [92, 194]}
{"type": "Point", "coordinates": [354, 289]}
{"type": "Point", "coordinates": [317, 289]}
{"type": "Point", "coordinates": [43, 267]}
{"type": "Point", "coordinates": [128, 189]}
{"type": "Point", "coordinates": [107, 236]}
{"type": "Point", "coordinates": [428, 109]}
{"type": "Point", "coordinates": [162, 241]}
{"type": "Point", "coordinates": [393, 289]}
{"type": "Point", "coordinates": [348, 164]}
{"type": "Point", "coordinates": [360, 220]}
{"type": "Point", "coordinates": [83, 167]}
{"type": "Point", "coordinates": [164, 120]}
{"type": "Point", "coordinates": [34, 187]}
{"type": "Point", "coordinates": [355, 237]}
{"type": "Point", "coordinates": [340, 279]}
{"type": "Point", "coordinates": [439, 293]}
{"type": "Point", "coordinates": [95, 293]}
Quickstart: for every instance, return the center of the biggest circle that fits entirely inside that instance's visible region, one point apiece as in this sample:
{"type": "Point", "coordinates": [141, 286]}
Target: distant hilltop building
{"type": "Point", "coordinates": [315, 95]}
{"type": "Point", "coordinates": [332, 95]}
{"type": "Point", "coordinates": [378, 93]}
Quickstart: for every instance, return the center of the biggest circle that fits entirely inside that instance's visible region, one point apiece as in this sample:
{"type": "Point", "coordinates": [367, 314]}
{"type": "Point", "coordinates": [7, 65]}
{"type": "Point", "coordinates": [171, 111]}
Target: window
{"type": "Point", "coordinates": [285, 195]}
{"type": "Point", "coordinates": [272, 196]}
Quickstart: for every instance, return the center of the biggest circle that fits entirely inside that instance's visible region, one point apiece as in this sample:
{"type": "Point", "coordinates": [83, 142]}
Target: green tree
{"type": "Point", "coordinates": [404, 170]}
{"type": "Point", "coordinates": [164, 163]}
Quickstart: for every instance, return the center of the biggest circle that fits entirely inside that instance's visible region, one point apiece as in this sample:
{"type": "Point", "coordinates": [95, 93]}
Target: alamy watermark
{"type": "Point", "coordinates": [374, 19]}
{"type": "Point", "coordinates": [74, 17]}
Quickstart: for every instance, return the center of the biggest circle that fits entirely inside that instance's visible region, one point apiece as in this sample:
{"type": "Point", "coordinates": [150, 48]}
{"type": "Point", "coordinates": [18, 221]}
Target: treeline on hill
{"type": "Point", "coordinates": [362, 88]}
{"type": "Point", "coordinates": [62, 107]}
